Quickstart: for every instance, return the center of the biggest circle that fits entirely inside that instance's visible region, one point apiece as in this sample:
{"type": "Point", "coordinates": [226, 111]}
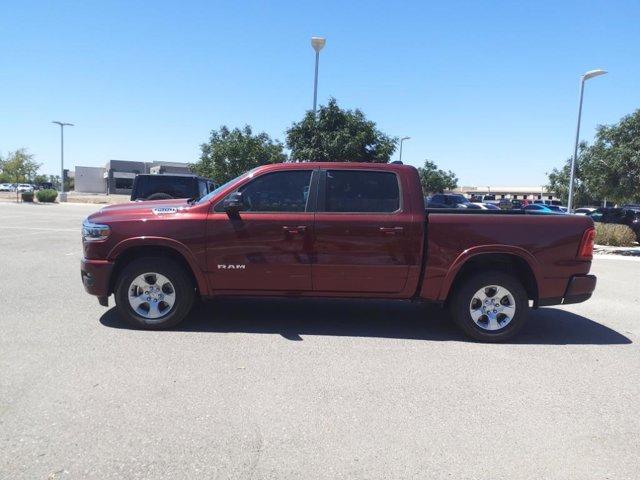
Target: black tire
{"type": "Point", "coordinates": [183, 288]}
{"type": "Point", "coordinates": [159, 196]}
{"type": "Point", "coordinates": [464, 294]}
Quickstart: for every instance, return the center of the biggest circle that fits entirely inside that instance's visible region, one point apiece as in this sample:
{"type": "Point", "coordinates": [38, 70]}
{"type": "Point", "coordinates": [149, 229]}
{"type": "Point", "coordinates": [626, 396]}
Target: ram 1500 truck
{"type": "Point", "coordinates": [335, 230]}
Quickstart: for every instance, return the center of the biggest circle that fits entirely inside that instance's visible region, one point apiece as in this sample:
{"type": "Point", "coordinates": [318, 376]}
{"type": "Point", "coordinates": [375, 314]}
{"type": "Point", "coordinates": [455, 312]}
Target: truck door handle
{"type": "Point", "coordinates": [391, 230]}
{"type": "Point", "coordinates": [294, 230]}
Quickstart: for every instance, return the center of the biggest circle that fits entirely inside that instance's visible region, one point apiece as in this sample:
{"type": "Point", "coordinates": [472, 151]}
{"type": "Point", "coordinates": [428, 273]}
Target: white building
{"type": "Point", "coordinates": [538, 192]}
{"type": "Point", "coordinates": [117, 175]}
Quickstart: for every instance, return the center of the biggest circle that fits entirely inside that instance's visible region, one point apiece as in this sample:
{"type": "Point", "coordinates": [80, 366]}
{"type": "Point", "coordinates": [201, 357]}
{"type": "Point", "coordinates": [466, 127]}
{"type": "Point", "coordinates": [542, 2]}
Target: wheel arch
{"type": "Point", "coordinates": [130, 249]}
{"type": "Point", "coordinates": [515, 261]}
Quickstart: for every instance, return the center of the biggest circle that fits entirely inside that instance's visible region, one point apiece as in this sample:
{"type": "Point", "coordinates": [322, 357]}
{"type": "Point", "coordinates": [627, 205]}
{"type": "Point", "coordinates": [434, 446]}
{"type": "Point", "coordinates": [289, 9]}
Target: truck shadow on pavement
{"type": "Point", "coordinates": [293, 318]}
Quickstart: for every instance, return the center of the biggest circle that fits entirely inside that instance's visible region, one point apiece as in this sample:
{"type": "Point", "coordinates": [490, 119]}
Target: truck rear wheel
{"type": "Point", "coordinates": [154, 293]}
{"type": "Point", "coordinates": [490, 306]}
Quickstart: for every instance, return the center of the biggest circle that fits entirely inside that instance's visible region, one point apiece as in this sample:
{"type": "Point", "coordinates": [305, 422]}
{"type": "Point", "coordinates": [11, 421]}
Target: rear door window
{"type": "Point", "coordinates": [176, 187]}
{"type": "Point", "coordinates": [202, 188]}
{"type": "Point", "coordinates": [360, 191]}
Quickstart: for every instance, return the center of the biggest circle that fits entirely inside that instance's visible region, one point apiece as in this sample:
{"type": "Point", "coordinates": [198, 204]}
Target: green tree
{"type": "Point", "coordinates": [19, 166]}
{"type": "Point", "coordinates": [55, 181]}
{"type": "Point", "coordinates": [610, 168]}
{"type": "Point", "coordinates": [40, 179]}
{"type": "Point", "coordinates": [229, 153]}
{"type": "Point", "coordinates": [559, 180]}
{"type": "Point", "coordinates": [434, 180]}
{"type": "Point", "coordinates": [337, 135]}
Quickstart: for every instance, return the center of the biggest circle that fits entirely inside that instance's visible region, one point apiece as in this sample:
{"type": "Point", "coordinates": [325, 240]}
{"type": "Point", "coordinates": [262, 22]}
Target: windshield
{"type": "Point", "coordinates": [213, 193]}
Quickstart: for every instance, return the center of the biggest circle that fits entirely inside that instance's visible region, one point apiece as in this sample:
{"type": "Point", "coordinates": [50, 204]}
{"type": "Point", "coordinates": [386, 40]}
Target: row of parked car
{"type": "Point", "coordinates": [452, 200]}
{"type": "Point", "coordinates": [20, 187]}
{"type": "Point", "coordinates": [628, 215]}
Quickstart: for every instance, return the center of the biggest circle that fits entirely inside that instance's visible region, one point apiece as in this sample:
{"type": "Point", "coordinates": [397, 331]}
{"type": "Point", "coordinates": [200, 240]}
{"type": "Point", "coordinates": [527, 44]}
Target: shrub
{"type": "Point", "coordinates": [614, 235]}
{"type": "Point", "coordinates": [27, 196]}
{"type": "Point", "coordinates": [47, 196]}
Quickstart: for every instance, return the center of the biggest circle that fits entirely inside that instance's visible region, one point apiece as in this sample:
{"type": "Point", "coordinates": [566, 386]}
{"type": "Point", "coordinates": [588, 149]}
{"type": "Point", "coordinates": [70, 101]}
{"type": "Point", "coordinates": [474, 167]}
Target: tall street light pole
{"type": "Point", "coordinates": [402, 140]}
{"type": "Point", "coordinates": [590, 74]}
{"type": "Point", "coordinates": [63, 198]}
{"type": "Point", "coordinates": [318, 44]}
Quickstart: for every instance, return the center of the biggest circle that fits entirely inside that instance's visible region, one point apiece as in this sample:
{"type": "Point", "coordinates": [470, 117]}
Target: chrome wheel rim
{"type": "Point", "coordinates": [492, 307]}
{"type": "Point", "coordinates": [152, 296]}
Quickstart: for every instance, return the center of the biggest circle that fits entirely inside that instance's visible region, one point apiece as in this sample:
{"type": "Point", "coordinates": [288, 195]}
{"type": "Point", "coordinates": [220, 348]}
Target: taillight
{"type": "Point", "coordinates": [585, 252]}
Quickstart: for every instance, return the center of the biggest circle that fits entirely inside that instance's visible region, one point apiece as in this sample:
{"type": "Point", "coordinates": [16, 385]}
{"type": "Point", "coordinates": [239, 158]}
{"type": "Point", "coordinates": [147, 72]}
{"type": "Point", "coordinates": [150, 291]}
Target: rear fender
{"type": "Point", "coordinates": [470, 253]}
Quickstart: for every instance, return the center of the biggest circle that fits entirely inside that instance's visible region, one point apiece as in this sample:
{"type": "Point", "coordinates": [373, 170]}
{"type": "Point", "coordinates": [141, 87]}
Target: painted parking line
{"type": "Point", "coordinates": [18, 235]}
{"type": "Point", "coordinates": [45, 229]}
{"type": "Point", "coordinates": [613, 256]}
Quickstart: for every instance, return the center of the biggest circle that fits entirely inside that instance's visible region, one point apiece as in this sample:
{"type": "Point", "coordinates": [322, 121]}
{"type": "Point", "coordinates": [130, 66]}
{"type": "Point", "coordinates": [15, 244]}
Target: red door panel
{"type": "Point", "coordinates": [363, 253]}
{"type": "Point", "coordinates": [260, 251]}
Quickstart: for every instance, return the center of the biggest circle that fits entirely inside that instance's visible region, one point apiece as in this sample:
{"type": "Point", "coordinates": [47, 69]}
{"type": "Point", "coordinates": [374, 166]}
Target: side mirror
{"type": "Point", "coordinates": [233, 204]}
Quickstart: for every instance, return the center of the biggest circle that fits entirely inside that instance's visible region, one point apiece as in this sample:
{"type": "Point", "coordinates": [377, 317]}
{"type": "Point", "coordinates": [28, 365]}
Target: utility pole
{"type": "Point", "coordinates": [62, 197]}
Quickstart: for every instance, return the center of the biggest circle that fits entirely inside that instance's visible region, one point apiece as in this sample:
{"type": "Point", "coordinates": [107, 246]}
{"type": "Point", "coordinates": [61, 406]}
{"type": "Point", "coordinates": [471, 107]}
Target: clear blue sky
{"type": "Point", "coordinates": [488, 89]}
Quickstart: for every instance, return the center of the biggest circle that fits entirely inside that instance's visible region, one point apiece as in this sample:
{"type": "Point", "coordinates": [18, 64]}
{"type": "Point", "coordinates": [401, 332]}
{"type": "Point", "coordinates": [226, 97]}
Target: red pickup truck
{"type": "Point", "coordinates": [335, 230]}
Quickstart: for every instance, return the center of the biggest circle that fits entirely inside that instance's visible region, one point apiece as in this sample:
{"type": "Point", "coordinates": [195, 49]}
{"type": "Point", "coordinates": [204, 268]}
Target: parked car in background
{"type": "Point", "coordinates": [44, 186]}
{"type": "Point", "coordinates": [536, 207]}
{"type": "Point", "coordinates": [448, 200]}
{"type": "Point", "coordinates": [548, 202]}
{"type": "Point", "coordinates": [24, 187]}
{"type": "Point", "coordinates": [168, 186]}
{"type": "Point", "coordinates": [584, 210]}
{"type": "Point", "coordinates": [619, 216]}
{"type": "Point", "coordinates": [7, 187]}
{"type": "Point", "coordinates": [505, 204]}
{"type": "Point", "coordinates": [481, 206]}
{"type": "Point", "coordinates": [557, 208]}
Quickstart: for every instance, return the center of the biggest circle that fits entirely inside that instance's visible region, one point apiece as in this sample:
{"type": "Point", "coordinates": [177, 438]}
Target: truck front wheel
{"type": "Point", "coordinates": [490, 306]}
{"type": "Point", "coordinates": [154, 293]}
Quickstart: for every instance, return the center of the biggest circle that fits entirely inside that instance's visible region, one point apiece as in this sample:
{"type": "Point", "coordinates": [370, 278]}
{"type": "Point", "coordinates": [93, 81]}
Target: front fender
{"type": "Point", "coordinates": [174, 245]}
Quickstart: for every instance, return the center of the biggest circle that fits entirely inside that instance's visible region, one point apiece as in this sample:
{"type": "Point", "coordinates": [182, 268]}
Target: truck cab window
{"type": "Point", "coordinates": [277, 192]}
{"type": "Point", "coordinates": [362, 191]}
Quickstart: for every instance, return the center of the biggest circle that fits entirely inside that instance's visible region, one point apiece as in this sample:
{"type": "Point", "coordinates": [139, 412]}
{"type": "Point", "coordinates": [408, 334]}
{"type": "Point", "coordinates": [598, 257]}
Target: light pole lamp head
{"type": "Point", "coordinates": [593, 74]}
{"type": "Point", "coordinates": [405, 138]}
{"type": "Point", "coordinates": [318, 43]}
{"type": "Point", "coordinates": [63, 124]}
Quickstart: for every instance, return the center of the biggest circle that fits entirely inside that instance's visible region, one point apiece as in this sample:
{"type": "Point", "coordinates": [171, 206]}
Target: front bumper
{"type": "Point", "coordinates": [96, 275]}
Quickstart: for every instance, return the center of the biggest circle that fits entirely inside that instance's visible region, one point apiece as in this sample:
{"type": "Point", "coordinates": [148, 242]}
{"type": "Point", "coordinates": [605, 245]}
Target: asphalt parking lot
{"type": "Point", "coordinates": [294, 389]}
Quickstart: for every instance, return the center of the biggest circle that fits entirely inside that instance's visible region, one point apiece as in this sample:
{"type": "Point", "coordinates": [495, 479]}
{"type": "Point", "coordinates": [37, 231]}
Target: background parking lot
{"type": "Point", "coordinates": [303, 389]}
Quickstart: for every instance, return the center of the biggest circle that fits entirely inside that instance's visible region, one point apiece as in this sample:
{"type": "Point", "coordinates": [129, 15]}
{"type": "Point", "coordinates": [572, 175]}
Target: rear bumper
{"type": "Point", "coordinates": [95, 276]}
{"type": "Point", "coordinates": [579, 289]}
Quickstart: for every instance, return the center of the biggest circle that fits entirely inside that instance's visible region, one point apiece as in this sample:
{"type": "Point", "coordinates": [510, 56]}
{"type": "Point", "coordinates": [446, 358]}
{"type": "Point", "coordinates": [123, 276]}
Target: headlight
{"type": "Point", "coordinates": [93, 232]}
